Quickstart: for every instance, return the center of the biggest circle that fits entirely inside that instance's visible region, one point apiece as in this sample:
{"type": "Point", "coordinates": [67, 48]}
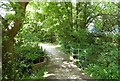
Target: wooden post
{"type": "Point", "coordinates": [78, 54]}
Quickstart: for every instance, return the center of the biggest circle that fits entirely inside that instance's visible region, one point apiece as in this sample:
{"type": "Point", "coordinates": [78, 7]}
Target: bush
{"type": "Point", "coordinates": [25, 55]}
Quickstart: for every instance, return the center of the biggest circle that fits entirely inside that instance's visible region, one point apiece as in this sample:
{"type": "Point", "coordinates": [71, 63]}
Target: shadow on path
{"type": "Point", "coordinates": [59, 67]}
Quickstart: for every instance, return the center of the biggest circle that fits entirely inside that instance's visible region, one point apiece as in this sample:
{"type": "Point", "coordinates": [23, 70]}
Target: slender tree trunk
{"type": "Point", "coordinates": [77, 15]}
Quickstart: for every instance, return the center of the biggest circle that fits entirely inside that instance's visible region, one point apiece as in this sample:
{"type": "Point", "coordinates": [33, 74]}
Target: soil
{"type": "Point", "coordinates": [59, 66]}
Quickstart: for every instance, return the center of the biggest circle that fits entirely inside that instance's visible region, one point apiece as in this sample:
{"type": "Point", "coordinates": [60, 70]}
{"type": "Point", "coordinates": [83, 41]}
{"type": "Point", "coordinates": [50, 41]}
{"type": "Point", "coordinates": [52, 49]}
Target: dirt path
{"type": "Point", "coordinates": [59, 67]}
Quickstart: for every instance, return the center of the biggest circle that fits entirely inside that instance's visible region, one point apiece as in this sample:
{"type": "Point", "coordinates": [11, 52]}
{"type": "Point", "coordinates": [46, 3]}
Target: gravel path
{"type": "Point", "coordinates": [59, 67]}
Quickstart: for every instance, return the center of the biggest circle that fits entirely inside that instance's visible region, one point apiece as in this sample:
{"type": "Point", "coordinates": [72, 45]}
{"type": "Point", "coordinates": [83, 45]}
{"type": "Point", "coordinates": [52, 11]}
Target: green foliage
{"type": "Point", "coordinates": [68, 24]}
{"type": "Point", "coordinates": [99, 53]}
{"type": "Point", "coordinates": [25, 55]}
{"type": "Point", "coordinates": [10, 16]}
{"type": "Point", "coordinates": [22, 67]}
{"type": "Point", "coordinates": [101, 61]}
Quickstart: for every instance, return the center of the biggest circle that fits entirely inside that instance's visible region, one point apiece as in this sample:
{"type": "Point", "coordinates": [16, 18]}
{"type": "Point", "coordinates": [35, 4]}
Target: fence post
{"type": "Point", "coordinates": [72, 50]}
{"type": "Point", "coordinates": [78, 54]}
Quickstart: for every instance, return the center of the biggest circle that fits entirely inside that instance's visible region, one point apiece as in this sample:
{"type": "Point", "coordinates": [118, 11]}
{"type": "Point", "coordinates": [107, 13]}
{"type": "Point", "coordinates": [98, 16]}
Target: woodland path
{"type": "Point", "coordinates": [59, 66]}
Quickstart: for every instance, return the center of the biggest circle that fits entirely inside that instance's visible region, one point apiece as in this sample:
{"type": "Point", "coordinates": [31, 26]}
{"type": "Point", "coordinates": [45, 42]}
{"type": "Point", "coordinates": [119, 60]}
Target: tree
{"type": "Point", "coordinates": [9, 34]}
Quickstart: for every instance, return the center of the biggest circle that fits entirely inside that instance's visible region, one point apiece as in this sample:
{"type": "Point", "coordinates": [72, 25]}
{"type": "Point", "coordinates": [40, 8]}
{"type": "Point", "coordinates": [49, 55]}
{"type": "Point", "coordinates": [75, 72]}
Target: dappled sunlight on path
{"type": "Point", "coordinates": [59, 66]}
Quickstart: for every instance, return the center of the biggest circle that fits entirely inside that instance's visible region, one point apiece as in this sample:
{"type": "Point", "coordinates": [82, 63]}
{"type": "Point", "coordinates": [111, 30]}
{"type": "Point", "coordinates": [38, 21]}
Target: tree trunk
{"type": "Point", "coordinates": [8, 44]}
{"type": "Point", "coordinates": [77, 16]}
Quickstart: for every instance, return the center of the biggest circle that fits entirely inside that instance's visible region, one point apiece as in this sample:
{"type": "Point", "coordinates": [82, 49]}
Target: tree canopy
{"type": "Point", "coordinates": [92, 27]}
